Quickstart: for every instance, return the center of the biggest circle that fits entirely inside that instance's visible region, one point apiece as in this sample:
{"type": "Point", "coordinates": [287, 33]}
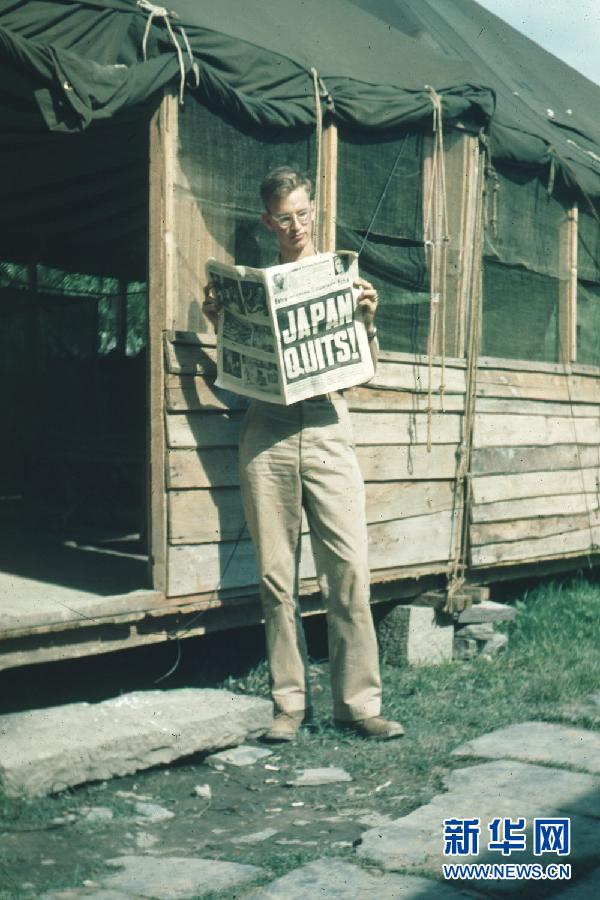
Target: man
{"type": "Point", "coordinates": [300, 456]}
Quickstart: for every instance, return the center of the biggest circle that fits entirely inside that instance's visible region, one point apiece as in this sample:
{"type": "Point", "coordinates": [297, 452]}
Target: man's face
{"type": "Point", "coordinates": [290, 219]}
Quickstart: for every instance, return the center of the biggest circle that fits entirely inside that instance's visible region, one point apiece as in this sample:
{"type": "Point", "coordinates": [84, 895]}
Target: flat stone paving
{"type": "Point", "coordinates": [402, 859]}
{"type": "Point", "coordinates": [335, 879]}
{"type": "Point", "coordinates": [539, 742]}
{"type": "Point", "coordinates": [511, 789]}
{"type": "Point", "coordinates": [43, 751]}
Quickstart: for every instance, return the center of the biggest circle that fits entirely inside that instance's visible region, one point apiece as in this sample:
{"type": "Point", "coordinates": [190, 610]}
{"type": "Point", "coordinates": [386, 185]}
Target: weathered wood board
{"type": "Point", "coordinates": [200, 568]}
{"type": "Point", "coordinates": [218, 466]}
{"type": "Point", "coordinates": [515, 510]}
{"type": "Point", "coordinates": [509, 460]}
{"type": "Point", "coordinates": [567, 543]}
{"type": "Point", "coordinates": [492, 488]}
{"type": "Point", "coordinates": [203, 516]}
{"type": "Point", "coordinates": [499, 430]}
{"type": "Point", "coordinates": [221, 429]}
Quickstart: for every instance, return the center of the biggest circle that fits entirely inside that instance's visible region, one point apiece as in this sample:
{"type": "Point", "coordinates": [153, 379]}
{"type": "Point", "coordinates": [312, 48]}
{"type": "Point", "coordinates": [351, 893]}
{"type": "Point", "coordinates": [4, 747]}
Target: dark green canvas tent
{"type": "Point", "coordinates": [457, 157]}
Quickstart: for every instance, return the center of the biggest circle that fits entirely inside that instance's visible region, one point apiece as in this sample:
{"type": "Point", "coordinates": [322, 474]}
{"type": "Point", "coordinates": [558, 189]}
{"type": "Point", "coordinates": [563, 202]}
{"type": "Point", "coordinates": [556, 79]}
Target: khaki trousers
{"type": "Point", "coordinates": [303, 456]}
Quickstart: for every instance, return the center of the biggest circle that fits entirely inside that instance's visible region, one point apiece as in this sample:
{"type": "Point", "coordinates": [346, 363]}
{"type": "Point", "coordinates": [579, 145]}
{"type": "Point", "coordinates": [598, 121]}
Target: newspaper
{"type": "Point", "coordinates": [291, 331]}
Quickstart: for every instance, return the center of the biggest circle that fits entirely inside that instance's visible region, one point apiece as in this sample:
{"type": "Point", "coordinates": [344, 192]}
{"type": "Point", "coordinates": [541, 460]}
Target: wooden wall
{"type": "Point", "coordinates": [413, 521]}
{"type": "Point", "coordinates": [535, 463]}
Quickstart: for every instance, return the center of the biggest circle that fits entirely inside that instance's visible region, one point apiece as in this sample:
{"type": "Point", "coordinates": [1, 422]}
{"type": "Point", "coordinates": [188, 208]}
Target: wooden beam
{"type": "Point", "coordinates": [462, 186]}
{"type": "Point", "coordinates": [161, 275]}
{"type": "Point", "coordinates": [329, 167]}
{"type": "Point", "coordinates": [567, 304]}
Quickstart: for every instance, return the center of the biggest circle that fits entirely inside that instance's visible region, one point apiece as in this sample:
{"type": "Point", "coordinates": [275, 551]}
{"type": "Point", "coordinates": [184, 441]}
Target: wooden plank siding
{"type": "Point", "coordinates": [411, 511]}
{"type": "Point", "coordinates": [535, 466]}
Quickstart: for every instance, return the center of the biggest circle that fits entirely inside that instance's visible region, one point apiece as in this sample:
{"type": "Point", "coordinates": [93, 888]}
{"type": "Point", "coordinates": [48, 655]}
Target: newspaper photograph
{"type": "Point", "coordinates": [292, 331]}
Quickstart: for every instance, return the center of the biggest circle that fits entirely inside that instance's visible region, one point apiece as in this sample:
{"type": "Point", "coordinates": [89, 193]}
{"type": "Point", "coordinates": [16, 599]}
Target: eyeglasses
{"type": "Point", "coordinates": [286, 220]}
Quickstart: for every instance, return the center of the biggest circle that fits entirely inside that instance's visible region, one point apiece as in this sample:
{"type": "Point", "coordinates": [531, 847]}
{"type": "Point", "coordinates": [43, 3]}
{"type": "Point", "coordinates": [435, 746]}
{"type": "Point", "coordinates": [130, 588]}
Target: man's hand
{"type": "Point", "coordinates": [213, 303]}
{"type": "Point", "coordinates": [367, 302]}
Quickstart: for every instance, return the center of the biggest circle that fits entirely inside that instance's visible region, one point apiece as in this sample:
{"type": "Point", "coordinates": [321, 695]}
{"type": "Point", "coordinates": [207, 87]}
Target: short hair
{"type": "Point", "coordinates": [282, 181]}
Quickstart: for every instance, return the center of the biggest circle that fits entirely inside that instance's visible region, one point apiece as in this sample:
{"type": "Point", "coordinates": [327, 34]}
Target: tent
{"type": "Point", "coordinates": [134, 138]}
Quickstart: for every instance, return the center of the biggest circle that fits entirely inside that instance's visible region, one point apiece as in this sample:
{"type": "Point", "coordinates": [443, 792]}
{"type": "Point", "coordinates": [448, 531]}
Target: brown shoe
{"type": "Point", "coordinates": [284, 727]}
{"type": "Point", "coordinates": [376, 727]}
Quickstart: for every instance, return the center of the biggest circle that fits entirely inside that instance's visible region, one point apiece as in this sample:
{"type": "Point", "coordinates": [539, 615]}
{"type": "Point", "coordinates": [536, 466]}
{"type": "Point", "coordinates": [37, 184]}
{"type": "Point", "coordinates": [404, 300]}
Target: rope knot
{"type": "Point", "coordinates": [165, 15]}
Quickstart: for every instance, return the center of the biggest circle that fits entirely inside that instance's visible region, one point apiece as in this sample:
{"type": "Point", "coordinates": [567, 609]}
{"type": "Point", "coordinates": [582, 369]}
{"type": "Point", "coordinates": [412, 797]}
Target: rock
{"type": "Point", "coordinates": [494, 645]}
{"type": "Point", "coordinates": [257, 837]}
{"type": "Point", "coordinates": [43, 751]}
{"type": "Point", "coordinates": [486, 791]}
{"type": "Point", "coordinates": [177, 877]}
{"type": "Point", "coordinates": [244, 755]}
{"type": "Point", "coordinates": [335, 879]}
{"type": "Point", "coordinates": [375, 820]}
{"type": "Point", "coordinates": [540, 742]}
{"type": "Point", "coordinates": [204, 791]}
{"type": "Point", "coordinates": [482, 631]}
{"type": "Point", "coordinates": [96, 814]}
{"type": "Point", "coordinates": [153, 812]}
{"type": "Point", "coordinates": [144, 840]}
{"type": "Point", "coordinates": [464, 648]}
{"type": "Point", "coordinates": [314, 777]}
{"type": "Point", "coordinates": [487, 611]}
{"type": "Point", "coordinates": [415, 635]}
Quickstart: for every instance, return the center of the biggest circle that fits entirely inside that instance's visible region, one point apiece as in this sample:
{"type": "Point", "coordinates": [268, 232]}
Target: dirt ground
{"type": "Point", "coordinates": [241, 814]}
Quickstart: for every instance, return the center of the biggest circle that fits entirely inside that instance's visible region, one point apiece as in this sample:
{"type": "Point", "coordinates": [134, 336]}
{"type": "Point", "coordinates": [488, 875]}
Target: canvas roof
{"type": "Point", "coordinates": [66, 66]}
{"type": "Point", "coordinates": [545, 110]}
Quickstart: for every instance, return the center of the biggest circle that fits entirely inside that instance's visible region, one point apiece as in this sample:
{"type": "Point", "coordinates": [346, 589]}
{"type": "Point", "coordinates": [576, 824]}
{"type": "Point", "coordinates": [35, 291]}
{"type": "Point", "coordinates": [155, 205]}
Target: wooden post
{"type": "Point", "coordinates": [328, 218]}
{"type": "Point", "coordinates": [161, 286]}
{"type": "Point", "coordinates": [461, 155]}
{"type": "Point", "coordinates": [567, 304]}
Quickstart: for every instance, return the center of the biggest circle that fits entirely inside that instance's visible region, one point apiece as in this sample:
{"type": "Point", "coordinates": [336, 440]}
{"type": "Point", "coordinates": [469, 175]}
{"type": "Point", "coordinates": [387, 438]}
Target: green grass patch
{"type": "Point", "coordinates": [551, 661]}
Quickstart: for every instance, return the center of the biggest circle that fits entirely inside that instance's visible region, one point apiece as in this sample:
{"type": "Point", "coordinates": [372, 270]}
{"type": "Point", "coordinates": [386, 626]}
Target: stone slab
{"type": "Point", "coordinates": [486, 611]}
{"type": "Point", "coordinates": [323, 775]}
{"type": "Point", "coordinates": [244, 755]}
{"type": "Point", "coordinates": [177, 877]}
{"type": "Point", "coordinates": [334, 879]}
{"type": "Point", "coordinates": [500, 788]}
{"type": "Point", "coordinates": [43, 751]}
{"type": "Point", "coordinates": [539, 742]}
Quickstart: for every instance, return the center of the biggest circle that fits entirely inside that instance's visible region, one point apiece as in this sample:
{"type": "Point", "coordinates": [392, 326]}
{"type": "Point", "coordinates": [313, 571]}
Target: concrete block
{"type": "Point", "coordinates": [415, 635]}
{"type": "Point", "coordinates": [43, 751]}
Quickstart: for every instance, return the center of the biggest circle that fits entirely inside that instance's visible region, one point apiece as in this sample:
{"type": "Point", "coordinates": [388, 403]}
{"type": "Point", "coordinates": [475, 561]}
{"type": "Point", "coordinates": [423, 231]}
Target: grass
{"type": "Point", "coordinates": [552, 660]}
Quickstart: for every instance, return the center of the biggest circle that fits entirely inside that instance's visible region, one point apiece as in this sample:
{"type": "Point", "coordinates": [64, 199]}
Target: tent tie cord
{"type": "Point", "coordinates": [159, 12]}
{"type": "Point", "coordinates": [436, 249]}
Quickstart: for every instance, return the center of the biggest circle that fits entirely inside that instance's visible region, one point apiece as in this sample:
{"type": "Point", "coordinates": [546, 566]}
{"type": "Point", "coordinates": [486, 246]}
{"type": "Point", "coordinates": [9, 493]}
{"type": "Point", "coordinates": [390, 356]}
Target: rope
{"type": "Point", "coordinates": [456, 576]}
{"type": "Point", "coordinates": [178, 633]}
{"type": "Point", "coordinates": [436, 249]}
{"type": "Point", "coordinates": [159, 12]}
{"type": "Point", "coordinates": [382, 195]}
{"type": "Point", "coordinates": [568, 371]}
{"type": "Point", "coordinates": [319, 141]}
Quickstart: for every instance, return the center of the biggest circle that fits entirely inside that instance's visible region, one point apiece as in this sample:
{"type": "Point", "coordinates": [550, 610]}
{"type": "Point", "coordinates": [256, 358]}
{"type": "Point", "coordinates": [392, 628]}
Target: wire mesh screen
{"type": "Point", "coordinates": [218, 206]}
{"type": "Point", "coordinates": [383, 176]}
{"type": "Point", "coordinates": [588, 289]}
{"type": "Point", "coordinates": [523, 268]}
